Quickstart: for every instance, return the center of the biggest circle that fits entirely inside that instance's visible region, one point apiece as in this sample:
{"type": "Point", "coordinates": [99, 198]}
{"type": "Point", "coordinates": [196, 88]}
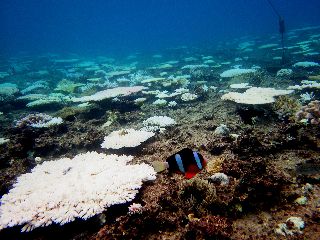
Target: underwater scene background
{"type": "Point", "coordinates": [159, 119]}
{"type": "Point", "coordinates": [120, 28]}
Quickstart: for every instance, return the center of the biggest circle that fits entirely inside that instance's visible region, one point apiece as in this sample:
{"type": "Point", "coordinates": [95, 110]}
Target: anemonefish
{"type": "Point", "coordinates": [186, 161]}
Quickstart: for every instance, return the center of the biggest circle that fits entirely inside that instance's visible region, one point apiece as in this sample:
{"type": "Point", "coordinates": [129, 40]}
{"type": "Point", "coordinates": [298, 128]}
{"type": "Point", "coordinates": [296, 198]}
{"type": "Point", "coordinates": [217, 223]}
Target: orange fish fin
{"type": "Point", "coordinates": [189, 175]}
{"type": "Point", "coordinates": [192, 171]}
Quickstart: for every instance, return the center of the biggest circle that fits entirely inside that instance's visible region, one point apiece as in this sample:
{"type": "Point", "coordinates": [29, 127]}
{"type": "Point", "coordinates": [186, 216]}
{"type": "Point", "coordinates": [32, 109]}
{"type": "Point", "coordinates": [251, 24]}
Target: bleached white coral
{"type": "Point", "coordinates": [236, 72]}
{"type": "Point", "coordinates": [62, 190]}
{"type": "Point", "coordinates": [220, 178]}
{"type": "Point", "coordinates": [305, 85]}
{"type": "Point", "coordinates": [135, 208]}
{"type": "Point", "coordinates": [172, 104]}
{"type": "Point", "coordinates": [186, 97]}
{"type": "Point", "coordinates": [38, 120]}
{"type": "Point", "coordinates": [240, 85]}
{"type": "Point", "coordinates": [126, 138]}
{"type": "Point", "coordinates": [307, 97]}
{"type": "Point", "coordinates": [157, 123]}
{"type": "Point", "coordinates": [255, 95]}
{"type": "Point", "coordinates": [193, 67]}
{"type": "Point", "coordinates": [8, 89]}
{"type": "Point", "coordinates": [140, 101]}
{"type": "Point", "coordinates": [44, 124]}
{"type": "Point", "coordinates": [52, 98]}
{"type": "Point", "coordinates": [160, 102]}
{"type": "Point", "coordinates": [306, 64]}
{"type": "Point", "coordinates": [35, 86]}
{"type": "Point", "coordinates": [110, 93]}
{"type": "Point", "coordinates": [163, 94]}
{"type": "Point", "coordinates": [161, 121]}
{"type": "Point", "coordinates": [3, 140]}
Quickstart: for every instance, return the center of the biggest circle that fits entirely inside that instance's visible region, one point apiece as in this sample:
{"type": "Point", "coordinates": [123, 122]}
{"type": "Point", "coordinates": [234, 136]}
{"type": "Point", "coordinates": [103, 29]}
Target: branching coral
{"type": "Point", "coordinates": [198, 196]}
{"type": "Point", "coordinates": [310, 113]}
{"type": "Point", "coordinates": [38, 120]}
{"type": "Point", "coordinates": [286, 107]}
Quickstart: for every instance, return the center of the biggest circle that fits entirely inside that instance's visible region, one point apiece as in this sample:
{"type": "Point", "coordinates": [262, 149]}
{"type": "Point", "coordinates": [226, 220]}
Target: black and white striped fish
{"type": "Point", "coordinates": [186, 161]}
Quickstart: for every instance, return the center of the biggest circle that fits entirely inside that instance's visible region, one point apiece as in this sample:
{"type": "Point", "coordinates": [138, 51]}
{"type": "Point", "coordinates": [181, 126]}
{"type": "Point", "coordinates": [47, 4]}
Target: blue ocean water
{"type": "Point", "coordinates": [121, 27]}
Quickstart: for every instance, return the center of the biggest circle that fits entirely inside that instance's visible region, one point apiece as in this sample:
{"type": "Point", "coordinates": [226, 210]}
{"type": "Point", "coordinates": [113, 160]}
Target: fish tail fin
{"type": "Point", "coordinates": [159, 166]}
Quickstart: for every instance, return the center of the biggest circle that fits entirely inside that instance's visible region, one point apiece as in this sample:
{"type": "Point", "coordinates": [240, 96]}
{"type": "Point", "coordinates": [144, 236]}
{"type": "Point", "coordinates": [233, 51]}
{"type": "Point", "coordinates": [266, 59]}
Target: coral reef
{"type": "Point", "coordinates": [284, 72]}
{"type": "Point", "coordinates": [209, 227]}
{"type": "Point", "coordinates": [110, 93]}
{"type": "Point", "coordinates": [293, 225]}
{"type": "Point", "coordinates": [306, 64]}
{"type": "Point", "coordinates": [310, 113]}
{"type": "Point", "coordinates": [67, 86]}
{"type": "Point", "coordinates": [38, 120]}
{"type": "Point", "coordinates": [60, 191]}
{"type": "Point", "coordinates": [220, 178]}
{"type": "Point", "coordinates": [255, 95]}
{"type": "Point", "coordinates": [236, 72]}
{"type": "Point", "coordinates": [126, 138]}
{"type": "Point", "coordinates": [157, 123]}
{"type": "Point", "coordinates": [262, 176]}
{"type": "Point", "coordinates": [197, 196]}
{"type": "Point", "coordinates": [286, 107]}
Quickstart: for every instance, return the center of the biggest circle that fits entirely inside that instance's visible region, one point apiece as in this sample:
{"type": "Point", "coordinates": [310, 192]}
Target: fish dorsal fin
{"type": "Point", "coordinates": [179, 163]}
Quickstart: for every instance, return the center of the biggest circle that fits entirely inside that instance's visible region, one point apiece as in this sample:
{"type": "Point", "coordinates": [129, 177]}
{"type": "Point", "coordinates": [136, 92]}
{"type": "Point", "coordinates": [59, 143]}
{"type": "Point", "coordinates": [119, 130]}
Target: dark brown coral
{"type": "Point", "coordinates": [209, 227]}
{"type": "Point", "coordinates": [259, 182]}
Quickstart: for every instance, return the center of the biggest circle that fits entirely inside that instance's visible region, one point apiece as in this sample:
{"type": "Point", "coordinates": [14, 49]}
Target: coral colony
{"type": "Point", "coordinates": [72, 188]}
{"type": "Point", "coordinates": [189, 143]}
{"type": "Point", "coordinates": [126, 138]}
{"type": "Point", "coordinates": [38, 120]}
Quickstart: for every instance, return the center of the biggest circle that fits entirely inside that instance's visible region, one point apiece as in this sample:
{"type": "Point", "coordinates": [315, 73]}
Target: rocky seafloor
{"type": "Point", "coordinates": [270, 152]}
